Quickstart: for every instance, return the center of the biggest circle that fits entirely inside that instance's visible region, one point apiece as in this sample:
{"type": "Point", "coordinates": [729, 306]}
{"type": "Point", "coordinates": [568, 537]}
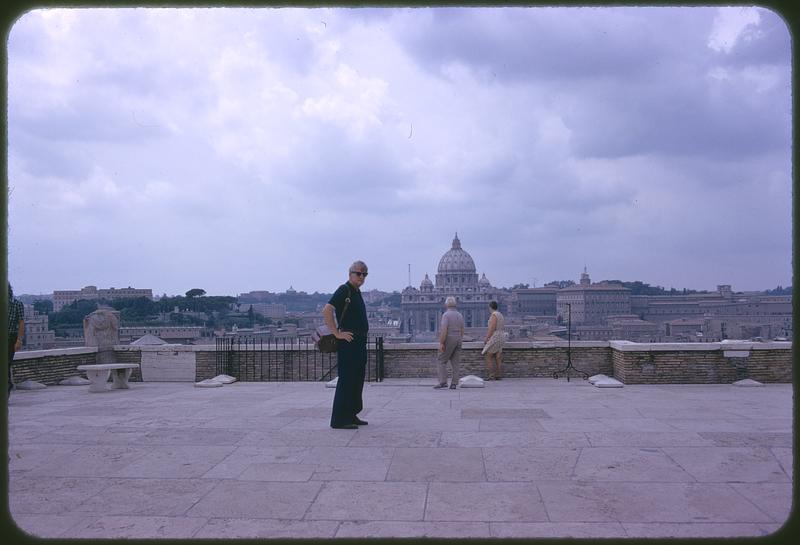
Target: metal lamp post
{"type": "Point", "coordinates": [569, 366]}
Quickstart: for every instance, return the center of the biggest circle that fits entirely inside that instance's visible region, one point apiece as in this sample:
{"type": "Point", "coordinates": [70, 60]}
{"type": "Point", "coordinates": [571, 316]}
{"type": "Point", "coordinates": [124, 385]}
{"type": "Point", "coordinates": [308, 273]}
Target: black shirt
{"type": "Point", "coordinates": [355, 319]}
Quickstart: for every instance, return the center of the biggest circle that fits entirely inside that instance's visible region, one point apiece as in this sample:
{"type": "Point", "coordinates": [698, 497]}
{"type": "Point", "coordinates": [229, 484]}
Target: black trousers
{"type": "Point", "coordinates": [352, 365]}
{"type": "Point", "coordinates": [12, 341]}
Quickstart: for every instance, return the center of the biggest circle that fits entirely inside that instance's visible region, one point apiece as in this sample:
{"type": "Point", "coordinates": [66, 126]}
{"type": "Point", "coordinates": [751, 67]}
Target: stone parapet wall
{"type": "Point", "coordinates": [523, 359]}
{"type": "Point", "coordinates": [130, 356]}
{"type": "Point", "coordinates": [770, 365]}
{"type": "Point", "coordinates": [205, 365]}
{"type": "Point", "coordinates": [628, 362]}
{"type": "Point", "coordinates": [696, 363]}
{"type": "Point", "coordinates": [51, 366]}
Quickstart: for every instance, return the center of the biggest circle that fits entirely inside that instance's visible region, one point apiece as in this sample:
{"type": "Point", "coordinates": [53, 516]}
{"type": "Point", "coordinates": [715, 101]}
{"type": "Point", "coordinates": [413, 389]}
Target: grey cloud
{"type": "Point", "coordinates": [683, 115]}
{"type": "Point", "coordinates": [90, 116]}
{"type": "Point", "coordinates": [666, 101]}
{"type": "Point", "coordinates": [768, 43]}
{"type": "Point", "coordinates": [536, 43]}
{"type": "Point", "coordinates": [336, 172]}
{"type": "Point", "coordinates": [41, 157]}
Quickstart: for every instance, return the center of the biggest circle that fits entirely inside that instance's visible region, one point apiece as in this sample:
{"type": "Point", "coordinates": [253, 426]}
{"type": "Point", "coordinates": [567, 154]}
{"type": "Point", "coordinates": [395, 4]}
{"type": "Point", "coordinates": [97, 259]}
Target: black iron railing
{"type": "Point", "coordinates": [284, 360]}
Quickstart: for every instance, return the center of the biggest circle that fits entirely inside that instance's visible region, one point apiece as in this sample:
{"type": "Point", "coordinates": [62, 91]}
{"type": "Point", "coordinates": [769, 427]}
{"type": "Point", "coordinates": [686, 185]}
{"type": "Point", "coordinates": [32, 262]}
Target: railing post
{"type": "Point", "coordinates": [379, 373]}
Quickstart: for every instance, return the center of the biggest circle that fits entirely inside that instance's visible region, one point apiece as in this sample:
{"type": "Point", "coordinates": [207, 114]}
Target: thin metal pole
{"type": "Point", "coordinates": [569, 349]}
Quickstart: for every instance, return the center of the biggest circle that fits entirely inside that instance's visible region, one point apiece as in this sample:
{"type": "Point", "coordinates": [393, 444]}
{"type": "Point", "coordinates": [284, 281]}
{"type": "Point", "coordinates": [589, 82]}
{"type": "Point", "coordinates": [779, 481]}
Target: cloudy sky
{"type": "Point", "coordinates": [243, 149]}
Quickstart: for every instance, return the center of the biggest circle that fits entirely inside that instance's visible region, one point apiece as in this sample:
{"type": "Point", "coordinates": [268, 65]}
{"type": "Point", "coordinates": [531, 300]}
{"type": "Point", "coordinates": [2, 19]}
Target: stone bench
{"type": "Point", "coordinates": [98, 375]}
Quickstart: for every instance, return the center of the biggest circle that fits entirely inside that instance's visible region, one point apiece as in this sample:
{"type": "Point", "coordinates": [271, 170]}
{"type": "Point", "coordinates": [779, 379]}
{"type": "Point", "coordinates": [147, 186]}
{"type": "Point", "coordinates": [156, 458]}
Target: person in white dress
{"type": "Point", "coordinates": [494, 342]}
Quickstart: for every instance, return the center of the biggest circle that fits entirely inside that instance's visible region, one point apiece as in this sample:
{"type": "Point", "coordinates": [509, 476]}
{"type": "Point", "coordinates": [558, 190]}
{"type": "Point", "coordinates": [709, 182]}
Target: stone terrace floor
{"type": "Point", "coordinates": [518, 458]}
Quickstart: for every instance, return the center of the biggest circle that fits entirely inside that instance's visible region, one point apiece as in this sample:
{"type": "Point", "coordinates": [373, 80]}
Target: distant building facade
{"type": "Point", "coordinates": [718, 315]}
{"type": "Point", "coordinates": [273, 311]}
{"type": "Point", "coordinates": [592, 304]}
{"type": "Point", "coordinates": [170, 334]}
{"type": "Point", "coordinates": [62, 298]}
{"type": "Point", "coordinates": [533, 301]}
{"type": "Point", "coordinates": [456, 275]}
{"type": "Point", "coordinates": [38, 335]}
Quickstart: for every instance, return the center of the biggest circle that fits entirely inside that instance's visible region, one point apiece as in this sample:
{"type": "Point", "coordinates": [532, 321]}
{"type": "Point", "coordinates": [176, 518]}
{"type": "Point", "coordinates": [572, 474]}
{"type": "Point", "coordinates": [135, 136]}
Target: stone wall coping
{"type": "Point", "coordinates": [628, 346]}
{"type": "Point", "coordinates": [166, 348]}
{"type": "Point", "coordinates": [622, 346]}
{"type": "Point", "coordinates": [34, 354]}
{"type": "Point", "coordinates": [509, 344]}
{"type": "Point", "coordinates": [387, 346]}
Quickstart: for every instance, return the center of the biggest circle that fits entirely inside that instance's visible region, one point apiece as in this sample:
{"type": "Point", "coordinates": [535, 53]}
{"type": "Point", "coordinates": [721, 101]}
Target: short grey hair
{"type": "Point", "coordinates": [450, 302]}
{"type": "Point", "coordinates": [358, 266]}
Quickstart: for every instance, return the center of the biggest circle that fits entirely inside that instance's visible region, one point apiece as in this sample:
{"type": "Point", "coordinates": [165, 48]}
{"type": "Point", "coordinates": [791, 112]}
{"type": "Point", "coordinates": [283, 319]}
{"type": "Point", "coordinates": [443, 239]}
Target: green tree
{"type": "Point", "coordinates": [193, 294]}
{"type": "Point", "coordinates": [44, 306]}
{"type": "Point", "coordinates": [72, 315]}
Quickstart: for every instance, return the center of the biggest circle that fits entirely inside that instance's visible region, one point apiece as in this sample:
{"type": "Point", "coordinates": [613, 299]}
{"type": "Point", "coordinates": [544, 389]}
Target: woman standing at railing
{"type": "Point", "coordinates": [495, 340]}
{"type": "Point", "coordinates": [351, 355]}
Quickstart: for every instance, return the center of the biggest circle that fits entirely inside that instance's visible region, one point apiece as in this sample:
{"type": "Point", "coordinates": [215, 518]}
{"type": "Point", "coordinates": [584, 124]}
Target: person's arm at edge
{"type": "Point", "coordinates": [328, 316]}
{"type": "Point", "coordinates": [492, 327]}
{"type": "Point", "coordinates": [442, 334]}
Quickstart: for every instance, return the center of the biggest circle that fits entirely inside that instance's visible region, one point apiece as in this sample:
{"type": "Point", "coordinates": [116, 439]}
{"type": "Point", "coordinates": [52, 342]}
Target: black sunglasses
{"type": "Point", "coordinates": [359, 273]}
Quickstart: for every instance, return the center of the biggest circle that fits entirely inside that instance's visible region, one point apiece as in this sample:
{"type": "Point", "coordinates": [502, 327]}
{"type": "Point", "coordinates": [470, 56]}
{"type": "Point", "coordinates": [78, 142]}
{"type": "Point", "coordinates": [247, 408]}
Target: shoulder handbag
{"type": "Point", "coordinates": [325, 340]}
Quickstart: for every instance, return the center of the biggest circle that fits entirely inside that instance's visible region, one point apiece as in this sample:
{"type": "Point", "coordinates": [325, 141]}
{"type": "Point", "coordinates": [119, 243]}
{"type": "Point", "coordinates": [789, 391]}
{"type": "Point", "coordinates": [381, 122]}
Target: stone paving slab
{"type": "Point", "coordinates": [278, 472]}
{"type": "Point", "coordinates": [368, 437]}
{"type": "Point", "coordinates": [349, 463]}
{"type": "Point", "coordinates": [27, 431]}
{"type": "Point", "coordinates": [746, 439]}
{"type": "Point", "coordinates": [176, 462]}
{"type": "Point", "coordinates": [557, 529]}
{"type": "Point", "coordinates": [629, 464]}
{"type": "Point", "coordinates": [503, 413]}
{"type": "Point", "coordinates": [248, 424]}
{"type": "Point", "coordinates": [647, 438]}
{"type": "Point", "coordinates": [240, 459]}
{"type": "Point", "coordinates": [52, 496]}
{"type": "Point", "coordinates": [391, 529]}
{"type": "Point", "coordinates": [369, 501]}
{"type": "Point", "coordinates": [437, 464]}
{"type": "Point", "coordinates": [242, 528]}
{"type": "Point", "coordinates": [647, 502]}
{"type": "Point", "coordinates": [191, 436]}
{"type": "Point", "coordinates": [91, 461]}
{"type": "Point", "coordinates": [432, 423]}
{"type": "Point", "coordinates": [249, 499]}
{"type": "Point", "coordinates": [775, 499]}
{"type": "Point", "coordinates": [510, 424]}
{"type": "Point", "coordinates": [147, 497]}
{"type": "Point", "coordinates": [132, 527]}
{"type": "Point", "coordinates": [506, 502]}
{"type": "Point", "coordinates": [513, 439]}
{"type": "Point", "coordinates": [728, 464]}
{"type": "Point", "coordinates": [784, 457]}
{"type": "Point", "coordinates": [729, 425]}
{"type": "Point", "coordinates": [29, 456]}
{"type": "Point", "coordinates": [693, 530]}
{"type": "Point", "coordinates": [297, 438]}
{"type": "Point", "coordinates": [521, 458]}
{"type": "Point", "coordinates": [48, 526]}
{"type": "Point", "coordinates": [514, 464]}
{"type": "Point", "coordinates": [87, 435]}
